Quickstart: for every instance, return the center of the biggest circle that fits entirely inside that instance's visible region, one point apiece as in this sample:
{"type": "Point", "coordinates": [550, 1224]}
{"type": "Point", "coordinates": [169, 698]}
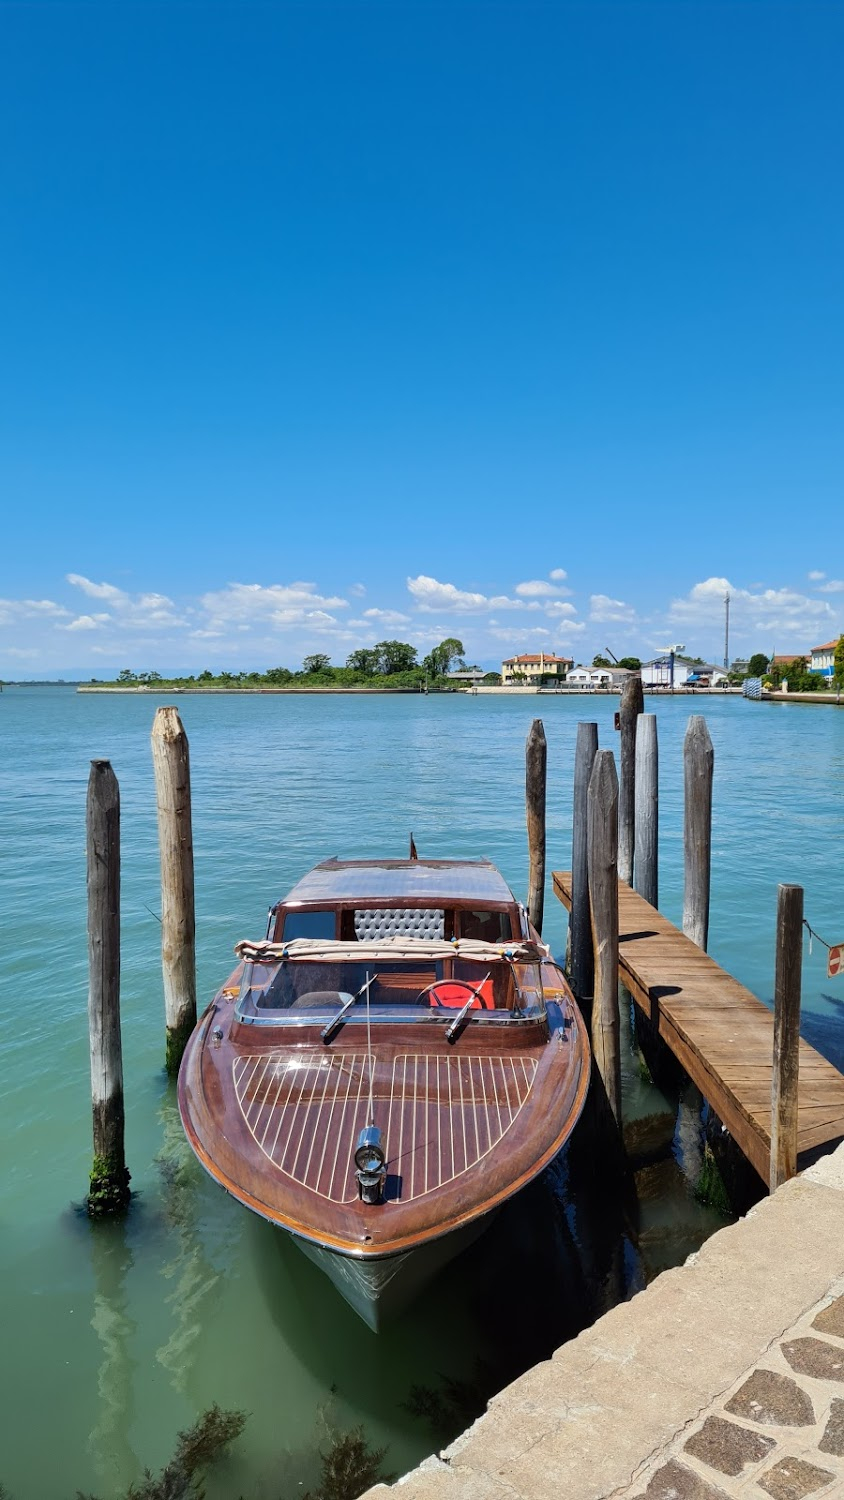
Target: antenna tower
{"type": "Point", "coordinates": [727, 631]}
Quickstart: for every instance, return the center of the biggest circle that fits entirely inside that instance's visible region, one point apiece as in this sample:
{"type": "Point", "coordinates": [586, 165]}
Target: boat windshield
{"type": "Point", "coordinates": [304, 990]}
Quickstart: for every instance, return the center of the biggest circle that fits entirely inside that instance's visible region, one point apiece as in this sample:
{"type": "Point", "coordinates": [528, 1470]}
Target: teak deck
{"type": "Point", "coordinates": [720, 1032]}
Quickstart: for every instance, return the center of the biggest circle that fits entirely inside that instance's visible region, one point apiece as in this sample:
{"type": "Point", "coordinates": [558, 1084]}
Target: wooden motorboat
{"type": "Point", "coordinates": [394, 1061]}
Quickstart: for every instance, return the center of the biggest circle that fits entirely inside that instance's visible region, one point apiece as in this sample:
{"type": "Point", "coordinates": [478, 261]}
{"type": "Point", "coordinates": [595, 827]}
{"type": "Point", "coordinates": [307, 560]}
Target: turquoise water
{"type": "Point", "coordinates": [116, 1336]}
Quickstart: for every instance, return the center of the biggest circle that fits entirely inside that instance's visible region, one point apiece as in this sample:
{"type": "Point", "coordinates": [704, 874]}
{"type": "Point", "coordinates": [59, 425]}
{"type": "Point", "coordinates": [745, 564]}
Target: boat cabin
{"type": "Point", "coordinates": [436, 935]}
{"type": "Point", "coordinates": [364, 900]}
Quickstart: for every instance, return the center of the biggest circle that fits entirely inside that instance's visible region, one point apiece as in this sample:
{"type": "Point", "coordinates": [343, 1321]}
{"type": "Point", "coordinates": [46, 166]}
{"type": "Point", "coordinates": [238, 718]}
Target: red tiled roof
{"type": "Point", "coordinates": [512, 661]}
{"type": "Point", "coordinates": [830, 646]}
{"type": "Point", "coordinates": [784, 660]}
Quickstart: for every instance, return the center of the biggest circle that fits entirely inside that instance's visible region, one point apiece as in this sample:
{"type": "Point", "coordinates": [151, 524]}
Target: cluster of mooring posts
{"type": "Point", "coordinates": [780, 1101]}
{"type": "Point", "coordinates": [109, 1185]}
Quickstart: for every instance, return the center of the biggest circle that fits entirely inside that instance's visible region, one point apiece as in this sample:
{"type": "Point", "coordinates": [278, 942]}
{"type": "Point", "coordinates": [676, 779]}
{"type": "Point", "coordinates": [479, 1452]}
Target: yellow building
{"type": "Point", "coordinates": [533, 670]}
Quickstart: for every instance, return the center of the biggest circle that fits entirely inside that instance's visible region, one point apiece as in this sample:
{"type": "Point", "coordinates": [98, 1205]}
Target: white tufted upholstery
{"type": "Point", "coordinates": [388, 922]}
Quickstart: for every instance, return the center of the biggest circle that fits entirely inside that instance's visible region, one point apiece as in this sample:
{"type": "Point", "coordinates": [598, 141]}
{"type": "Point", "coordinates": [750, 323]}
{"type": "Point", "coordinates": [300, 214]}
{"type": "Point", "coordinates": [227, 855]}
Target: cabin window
{"type": "Point", "coordinates": [485, 926]}
{"type": "Point", "coordinates": [308, 924]}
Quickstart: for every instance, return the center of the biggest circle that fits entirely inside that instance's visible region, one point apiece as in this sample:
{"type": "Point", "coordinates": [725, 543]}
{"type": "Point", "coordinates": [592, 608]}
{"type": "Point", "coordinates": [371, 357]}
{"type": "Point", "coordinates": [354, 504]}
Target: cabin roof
{"type": "Point", "coordinates": [432, 880]}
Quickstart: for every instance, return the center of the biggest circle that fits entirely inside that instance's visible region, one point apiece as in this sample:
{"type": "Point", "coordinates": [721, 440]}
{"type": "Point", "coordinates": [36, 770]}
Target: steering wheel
{"type": "Point", "coordinates": [463, 984]}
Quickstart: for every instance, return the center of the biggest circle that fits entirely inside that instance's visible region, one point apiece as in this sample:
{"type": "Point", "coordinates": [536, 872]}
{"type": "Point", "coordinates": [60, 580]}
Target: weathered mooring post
{"type": "Point", "coordinates": [109, 1187]}
{"type": "Point", "coordinates": [536, 772]}
{"type": "Point", "coordinates": [646, 867]}
{"type": "Point", "coordinates": [171, 762]}
{"type": "Point", "coordinates": [787, 984]}
{"type": "Point", "coordinates": [632, 705]}
{"type": "Point", "coordinates": [698, 766]}
{"type": "Point", "coordinates": [603, 902]}
{"type": "Point", "coordinates": [581, 967]}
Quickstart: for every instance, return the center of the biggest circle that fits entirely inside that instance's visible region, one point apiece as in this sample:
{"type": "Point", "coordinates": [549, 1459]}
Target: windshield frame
{"type": "Point", "coordinates": [525, 977]}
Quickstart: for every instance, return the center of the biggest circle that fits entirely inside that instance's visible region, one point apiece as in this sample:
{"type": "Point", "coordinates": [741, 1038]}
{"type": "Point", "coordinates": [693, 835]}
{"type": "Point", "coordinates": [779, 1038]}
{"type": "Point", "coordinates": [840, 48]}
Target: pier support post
{"type": "Point", "coordinates": [171, 762]}
{"type": "Point", "coordinates": [603, 902]}
{"type": "Point", "coordinates": [698, 766]}
{"type": "Point", "coordinates": [632, 705]}
{"type": "Point", "coordinates": [787, 981]}
{"type": "Point", "coordinates": [109, 1187]}
{"type": "Point", "coordinates": [536, 770]}
{"type": "Point", "coordinates": [646, 869]}
{"type": "Point", "coordinates": [581, 966]}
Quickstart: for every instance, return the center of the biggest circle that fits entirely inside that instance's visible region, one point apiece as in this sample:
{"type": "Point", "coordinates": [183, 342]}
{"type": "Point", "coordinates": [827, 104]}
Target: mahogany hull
{"type": "Point", "coordinates": [274, 1115]}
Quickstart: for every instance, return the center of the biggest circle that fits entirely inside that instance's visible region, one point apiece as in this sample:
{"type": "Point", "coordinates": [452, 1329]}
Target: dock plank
{"type": "Point", "coordinates": [720, 1032]}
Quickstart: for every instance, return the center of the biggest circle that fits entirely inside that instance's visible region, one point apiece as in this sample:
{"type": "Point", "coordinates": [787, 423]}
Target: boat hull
{"type": "Point", "coordinates": [378, 1289]}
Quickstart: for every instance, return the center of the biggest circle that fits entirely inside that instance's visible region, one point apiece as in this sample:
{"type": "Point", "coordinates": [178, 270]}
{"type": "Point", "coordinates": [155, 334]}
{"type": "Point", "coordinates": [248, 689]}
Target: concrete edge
{"type": "Point", "coordinates": [653, 1363]}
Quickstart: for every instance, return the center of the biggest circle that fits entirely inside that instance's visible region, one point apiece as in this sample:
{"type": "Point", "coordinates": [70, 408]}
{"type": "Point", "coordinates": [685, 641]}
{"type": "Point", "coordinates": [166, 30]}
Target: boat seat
{"type": "Point", "coordinates": [374, 923]}
{"type": "Point", "coordinates": [317, 1000]}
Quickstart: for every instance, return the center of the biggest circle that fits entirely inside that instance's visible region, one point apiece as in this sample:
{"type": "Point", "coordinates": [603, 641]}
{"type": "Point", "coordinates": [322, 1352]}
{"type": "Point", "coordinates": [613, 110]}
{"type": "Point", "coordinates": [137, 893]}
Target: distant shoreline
{"type": "Point", "coordinates": [154, 689]}
{"type": "Point", "coordinates": [480, 691]}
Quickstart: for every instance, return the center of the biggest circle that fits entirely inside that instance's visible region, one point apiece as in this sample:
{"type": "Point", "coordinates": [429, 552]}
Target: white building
{"type": "Point", "coordinates": [598, 676]}
{"type": "Point", "coordinates": [657, 673]}
{"type": "Point", "coordinates": [822, 659]}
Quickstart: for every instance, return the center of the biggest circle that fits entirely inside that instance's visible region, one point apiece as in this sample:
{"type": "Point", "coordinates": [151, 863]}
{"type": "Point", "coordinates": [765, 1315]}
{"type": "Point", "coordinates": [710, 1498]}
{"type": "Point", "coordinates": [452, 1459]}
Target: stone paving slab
{"type": "Point", "coordinates": [724, 1380]}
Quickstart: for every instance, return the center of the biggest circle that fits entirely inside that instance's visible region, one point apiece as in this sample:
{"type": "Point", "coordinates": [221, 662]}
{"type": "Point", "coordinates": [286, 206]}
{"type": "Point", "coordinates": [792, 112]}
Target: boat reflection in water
{"type": "Point", "coordinates": [397, 1059]}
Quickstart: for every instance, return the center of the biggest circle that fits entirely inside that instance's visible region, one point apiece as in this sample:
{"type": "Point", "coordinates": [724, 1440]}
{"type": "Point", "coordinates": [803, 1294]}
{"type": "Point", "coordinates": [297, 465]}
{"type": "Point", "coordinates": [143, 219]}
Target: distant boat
{"type": "Point", "coordinates": [397, 1059]}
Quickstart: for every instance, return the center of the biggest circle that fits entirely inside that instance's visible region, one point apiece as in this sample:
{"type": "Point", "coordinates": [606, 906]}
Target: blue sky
{"type": "Point", "coordinates": [325, 323]}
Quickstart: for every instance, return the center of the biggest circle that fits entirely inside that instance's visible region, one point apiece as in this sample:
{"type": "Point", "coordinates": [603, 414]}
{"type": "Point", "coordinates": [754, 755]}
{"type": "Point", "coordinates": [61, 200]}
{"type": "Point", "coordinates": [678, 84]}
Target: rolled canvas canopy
{"type": "Point", "coordinates": [390, 950]}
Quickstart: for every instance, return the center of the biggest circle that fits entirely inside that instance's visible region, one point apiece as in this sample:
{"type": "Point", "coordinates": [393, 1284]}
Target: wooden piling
{"type": "Point", "coordinates": [171, 761]}
{"type": "Point", "coordinates": [646, 834]}
{"type": "Point", "coordinates": [632, 705]}
{"type": "Point", "coordinates": [536, 771]}
{"type": "Point", "coordinates": [581, 966]}
{"type": "Point", "coordinates": [698, 766]}
{"type": "Point", "coordinates": [603, 904]}
{"type": "Point", "coordinates": [109, 1185]}
{"type": "Point", "coordinates": [787, 982]}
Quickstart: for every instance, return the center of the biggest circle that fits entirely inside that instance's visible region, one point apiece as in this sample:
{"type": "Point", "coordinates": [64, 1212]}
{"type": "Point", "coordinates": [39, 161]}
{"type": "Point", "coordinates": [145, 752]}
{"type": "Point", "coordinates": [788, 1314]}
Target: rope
{"type": "Point", "coordinates": [813, 934]}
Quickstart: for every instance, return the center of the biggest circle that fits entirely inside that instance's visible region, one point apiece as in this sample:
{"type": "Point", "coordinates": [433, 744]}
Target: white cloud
{"type": "Point", "coordinates": [539, 588]}
{"type": "Point", "coordinates": [559, 607]}
{"type": "Point", "coordinates": [281, 605]}
{"type": "Point", "coordinates": [358, 590]}
{"type": "Point", "coordinates": [815, 575]}
{"type": "Point", "coordinates": [558, 574]}
{"type": "Point", "coordinates": [536, 588]}
{"type": "Point", "coordinates": [835, 586]}
{"type": "Point", "coordinates": [783, 610]}
{"type": "Point", "coordinates": [503, 633]}
{"type": "Point", "coordinates": [604, 610]}
{"type": "Point", "coordinates": [88, 622]}
{"type": "Point", "coordinates": [386, 616]}
{"type": "Point", "coordinates": [431, 596]}
{"type": "Point", "coordinates": [13, 610]}
{"type": "Point", "coordinates": [106, 591]}
{"type": "Point", "coordinates": [129, 612]}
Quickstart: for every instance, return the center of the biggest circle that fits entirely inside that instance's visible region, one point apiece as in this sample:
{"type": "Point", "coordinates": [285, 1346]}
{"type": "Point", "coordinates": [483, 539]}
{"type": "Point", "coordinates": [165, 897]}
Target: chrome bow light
{"type": "Point", "coordinates": [370, 1168]}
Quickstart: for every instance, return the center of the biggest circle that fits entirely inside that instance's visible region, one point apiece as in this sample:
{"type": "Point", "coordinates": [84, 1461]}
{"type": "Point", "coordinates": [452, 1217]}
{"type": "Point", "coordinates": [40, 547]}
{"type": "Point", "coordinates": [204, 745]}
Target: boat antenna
{"type": "Point", "coordinates": [413, 854]}
{"type": "Point", "coordinates": [371, 1117]}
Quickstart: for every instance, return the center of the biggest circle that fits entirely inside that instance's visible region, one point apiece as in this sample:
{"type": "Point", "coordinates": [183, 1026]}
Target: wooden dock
{"type": "Point", "coordinates": [721, 1034]}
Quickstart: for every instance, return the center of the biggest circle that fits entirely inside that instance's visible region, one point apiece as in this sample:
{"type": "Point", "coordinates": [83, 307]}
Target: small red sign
{"type": "Point", "coordinates": [835, 961]}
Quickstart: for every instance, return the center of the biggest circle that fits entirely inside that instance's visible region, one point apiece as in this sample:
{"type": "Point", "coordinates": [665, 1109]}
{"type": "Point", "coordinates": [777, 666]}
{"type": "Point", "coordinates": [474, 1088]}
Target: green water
{"type": "Point", "coordinates": [114, 1336]}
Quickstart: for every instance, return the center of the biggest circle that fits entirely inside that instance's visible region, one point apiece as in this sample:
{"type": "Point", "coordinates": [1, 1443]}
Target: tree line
{"type": "Point", "coordinates": [386, 664]}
